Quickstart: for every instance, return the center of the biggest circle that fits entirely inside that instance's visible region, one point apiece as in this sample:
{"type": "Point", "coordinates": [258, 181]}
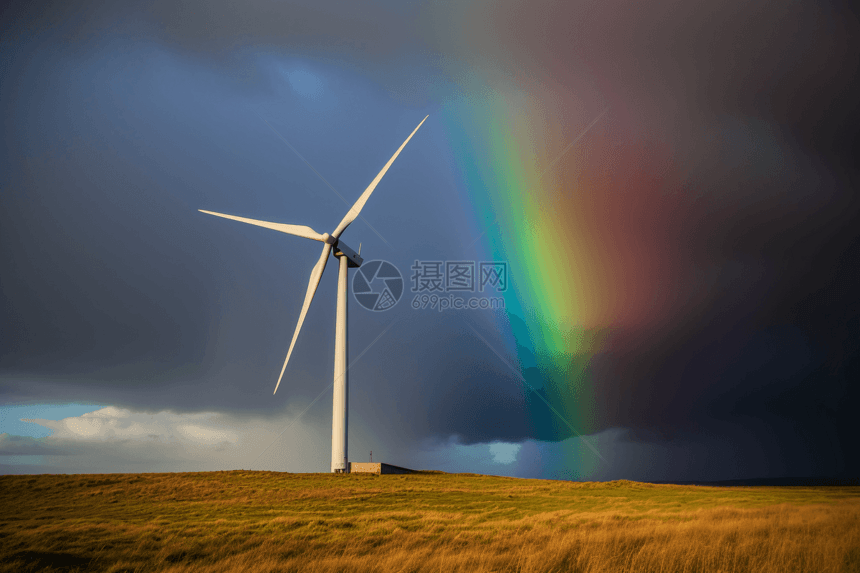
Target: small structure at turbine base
{"type": "Point", "coordinates": [379, 469]}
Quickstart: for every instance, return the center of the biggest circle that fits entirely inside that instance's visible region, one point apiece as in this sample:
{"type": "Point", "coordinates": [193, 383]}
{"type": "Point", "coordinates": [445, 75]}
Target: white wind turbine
{"type": "Point", "coordinates": [348, 258]}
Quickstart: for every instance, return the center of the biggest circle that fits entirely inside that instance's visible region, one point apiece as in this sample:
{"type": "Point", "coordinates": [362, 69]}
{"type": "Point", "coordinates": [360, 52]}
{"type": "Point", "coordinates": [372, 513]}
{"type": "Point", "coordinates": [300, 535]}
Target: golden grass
{"type": "Point", "coordinates": [262, 521]}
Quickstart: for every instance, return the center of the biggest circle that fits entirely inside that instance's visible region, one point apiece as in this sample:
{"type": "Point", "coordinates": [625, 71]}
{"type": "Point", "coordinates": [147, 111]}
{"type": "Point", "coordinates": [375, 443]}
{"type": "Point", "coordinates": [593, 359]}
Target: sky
{"type": "Point", "coordinates": [656, 202]}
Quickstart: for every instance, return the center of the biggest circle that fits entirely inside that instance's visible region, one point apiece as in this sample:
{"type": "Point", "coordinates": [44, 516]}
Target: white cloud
{"type": "Point", "coordinates": [118, 424]}
{"type": "Point", "coordinates": [504, 453]}
{"type": "Point", "coordinates": [120, 440]}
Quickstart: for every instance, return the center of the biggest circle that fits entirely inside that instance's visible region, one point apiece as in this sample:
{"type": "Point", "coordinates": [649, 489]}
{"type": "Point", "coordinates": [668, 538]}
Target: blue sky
{"type": "Point", "coordinates": [11, 417]}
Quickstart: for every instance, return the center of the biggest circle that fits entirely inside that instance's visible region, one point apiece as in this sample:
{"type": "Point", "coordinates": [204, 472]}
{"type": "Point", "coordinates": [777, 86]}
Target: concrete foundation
{"type": "Point", "coordinates": [379, 469]}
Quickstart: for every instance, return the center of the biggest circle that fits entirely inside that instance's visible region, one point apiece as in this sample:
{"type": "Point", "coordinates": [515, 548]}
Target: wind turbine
{"type": "Point", "coordinates": [347, 259]}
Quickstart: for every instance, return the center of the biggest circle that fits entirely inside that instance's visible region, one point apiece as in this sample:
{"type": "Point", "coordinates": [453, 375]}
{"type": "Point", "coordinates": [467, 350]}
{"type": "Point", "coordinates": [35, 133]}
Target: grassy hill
{"type": "Point", "coordinates": [263, 521]}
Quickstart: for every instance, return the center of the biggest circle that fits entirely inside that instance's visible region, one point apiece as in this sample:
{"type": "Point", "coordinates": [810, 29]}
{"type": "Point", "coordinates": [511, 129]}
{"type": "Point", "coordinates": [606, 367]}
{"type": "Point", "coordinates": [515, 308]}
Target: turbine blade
{"type": "Point", "coordinates": [313, 283]}
{"type": "Point", "coordinates": [297, 230]}
{"type": "Point", "coordinates": [356, 209]}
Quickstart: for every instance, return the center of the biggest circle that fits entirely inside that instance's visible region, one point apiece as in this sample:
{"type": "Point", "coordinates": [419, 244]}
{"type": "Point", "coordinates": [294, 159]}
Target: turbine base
{"type": "Point", "coordinates": [340, 468]}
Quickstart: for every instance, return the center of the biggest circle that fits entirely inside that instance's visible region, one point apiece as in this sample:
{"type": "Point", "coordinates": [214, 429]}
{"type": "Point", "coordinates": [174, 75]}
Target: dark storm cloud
{"type": "Point", "coordinates": [115, 288]}
{"type": "Point", "coordinates": [758, 100]}
{"type": "Point", "coordinates": [96, 276]}
{"type": "Point", "coordinates": [469, 393]}
{"type": "Point", "coordinates": [385, 40]}
{"type": "Point", "coordinates": [787, 367]}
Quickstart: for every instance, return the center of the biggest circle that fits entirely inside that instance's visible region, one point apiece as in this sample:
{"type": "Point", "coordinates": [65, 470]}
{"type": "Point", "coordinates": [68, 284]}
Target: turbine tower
{"type": "Point", "coordinates": [347, 258]}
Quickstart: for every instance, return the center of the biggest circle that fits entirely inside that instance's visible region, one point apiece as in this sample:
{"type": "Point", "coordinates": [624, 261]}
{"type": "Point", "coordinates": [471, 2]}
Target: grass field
{"type": "Point", "coordinates": [261, 521]}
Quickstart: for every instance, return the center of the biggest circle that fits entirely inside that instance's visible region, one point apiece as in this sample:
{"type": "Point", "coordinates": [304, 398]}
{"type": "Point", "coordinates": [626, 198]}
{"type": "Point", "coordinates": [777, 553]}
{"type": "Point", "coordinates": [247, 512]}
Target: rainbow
{"type": "Point", "coordinates": [578, 270]}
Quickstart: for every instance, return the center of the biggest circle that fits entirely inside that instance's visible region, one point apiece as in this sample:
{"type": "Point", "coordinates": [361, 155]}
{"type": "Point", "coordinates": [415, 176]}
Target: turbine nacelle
{"type": "Point", "coordinates": [340, 249]}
